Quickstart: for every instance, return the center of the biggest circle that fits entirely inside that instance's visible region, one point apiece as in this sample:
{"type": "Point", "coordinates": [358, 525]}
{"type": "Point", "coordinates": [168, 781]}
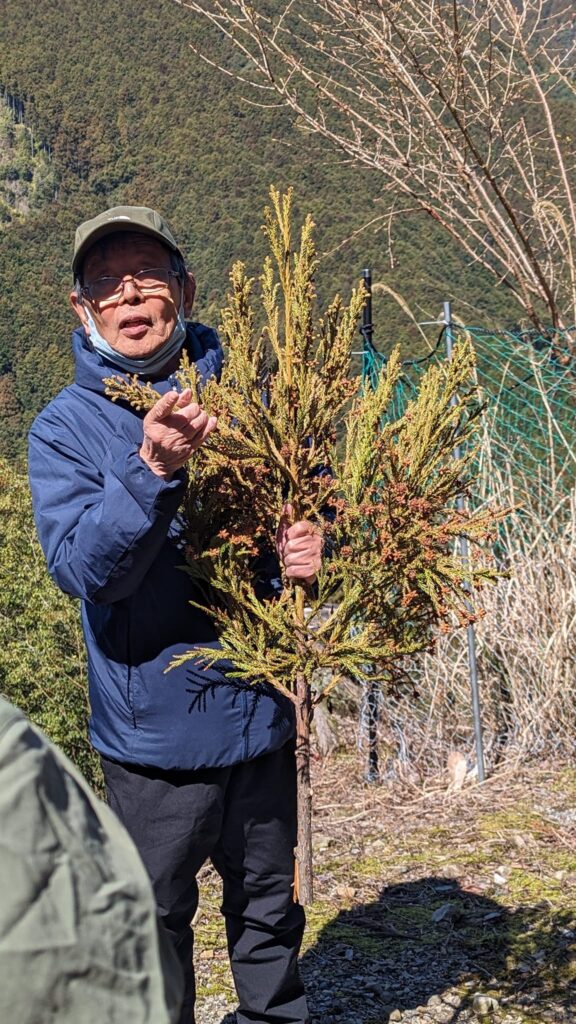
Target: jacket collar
{"type": "Point", "coordinates": [202, 345]}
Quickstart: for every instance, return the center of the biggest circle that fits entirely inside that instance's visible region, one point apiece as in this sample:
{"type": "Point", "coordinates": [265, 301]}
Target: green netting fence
{"type": "Point", "coordinates": [527, 385]}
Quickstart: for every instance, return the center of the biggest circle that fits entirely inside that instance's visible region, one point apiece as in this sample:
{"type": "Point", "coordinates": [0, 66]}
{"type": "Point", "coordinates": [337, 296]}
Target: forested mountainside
{"type": "Point", "coordinates": [108, 104]}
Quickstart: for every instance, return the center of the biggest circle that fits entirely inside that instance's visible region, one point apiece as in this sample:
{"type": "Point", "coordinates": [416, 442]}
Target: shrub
{"type": "Point", "coordinates": [42, 661]}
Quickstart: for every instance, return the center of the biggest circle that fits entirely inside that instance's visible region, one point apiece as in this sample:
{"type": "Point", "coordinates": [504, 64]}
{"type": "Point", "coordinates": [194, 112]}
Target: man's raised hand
{"type": "Point", "coordinates": [173, 429]}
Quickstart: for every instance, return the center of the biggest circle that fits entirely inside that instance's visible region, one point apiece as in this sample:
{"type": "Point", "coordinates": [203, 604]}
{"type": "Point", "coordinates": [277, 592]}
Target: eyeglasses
{"type": "Point", "coordinates": [109, 289]}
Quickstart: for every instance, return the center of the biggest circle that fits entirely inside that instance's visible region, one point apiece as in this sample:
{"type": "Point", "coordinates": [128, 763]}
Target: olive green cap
{"type": "Point", "coordinates": [121, 218]}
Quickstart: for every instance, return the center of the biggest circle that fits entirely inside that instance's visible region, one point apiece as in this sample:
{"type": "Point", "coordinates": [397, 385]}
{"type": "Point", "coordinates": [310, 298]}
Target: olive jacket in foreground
{"type": "Point", "coordinates": [109, 529]}
{"type": "Point", "coordinates": [79, 938]}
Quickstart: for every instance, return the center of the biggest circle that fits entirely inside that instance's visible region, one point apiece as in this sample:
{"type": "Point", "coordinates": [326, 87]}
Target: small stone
{"type": "Point", "coordinates": [374, 988]}
{"type": "Point", "coordinates": [450, 871]}
{"type": "Point", "coordinates": [452, 999]}
{"type": "Point", "coordinates": [457, 769]}
{"type": "Point", "coordinates": [443, 1014]}
{"type": "Point", "coordinates": [501, 875]}
{"type": "Point", "coordinates": [320, 843]}
{"type": "Point", "coordinates": [377, 844]}
{"type": "Point", "coordinates": [447, 912]}
{"type": "Point", "coordinates": [395, 1015]}
{"type": "Point", "coordinates": [346, 892]}
{"type": "Point", "coordinates": [484, 1005]}
{"type": "Point", "coordinates": [434, 1001]}
{"type": "Point", "coordinates": [492, 916]}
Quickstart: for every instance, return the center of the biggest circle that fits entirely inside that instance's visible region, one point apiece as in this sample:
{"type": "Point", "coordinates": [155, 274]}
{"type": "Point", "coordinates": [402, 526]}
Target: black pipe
{"type": "Point", "coordinates": [367, 328]}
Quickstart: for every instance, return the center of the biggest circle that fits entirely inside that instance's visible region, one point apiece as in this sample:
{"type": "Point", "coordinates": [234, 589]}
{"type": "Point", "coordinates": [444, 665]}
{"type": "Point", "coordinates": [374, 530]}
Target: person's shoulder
{"type": "Point", "coordinates": [207, 337]}
{"type": "Point", "coordinates": [205, 349]}
{"type": "Point", "coordinates": [60, 407]}
{"type": "Point", "coordinates": [57, 411]}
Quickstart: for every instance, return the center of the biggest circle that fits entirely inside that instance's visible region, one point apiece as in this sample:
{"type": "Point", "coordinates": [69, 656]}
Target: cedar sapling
{"type": "Point", "coordinates": [297, 436]}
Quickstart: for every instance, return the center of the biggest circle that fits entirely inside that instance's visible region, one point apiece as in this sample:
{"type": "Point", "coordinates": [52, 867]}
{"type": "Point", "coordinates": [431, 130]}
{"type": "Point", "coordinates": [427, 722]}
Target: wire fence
{"type": "Point", "coordinates": [526, 458]}
{"type": "Point", "coordinates": [527, 385]}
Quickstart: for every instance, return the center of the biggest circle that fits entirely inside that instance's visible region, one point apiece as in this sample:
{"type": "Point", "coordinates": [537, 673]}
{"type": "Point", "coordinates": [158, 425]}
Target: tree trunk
{"type": "Point", "coordinates": [303, 888]}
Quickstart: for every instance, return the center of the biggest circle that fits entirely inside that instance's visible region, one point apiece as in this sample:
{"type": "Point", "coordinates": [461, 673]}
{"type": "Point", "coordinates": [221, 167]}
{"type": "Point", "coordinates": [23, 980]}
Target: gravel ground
{"type": "Point", "coordinates": [430, 907]}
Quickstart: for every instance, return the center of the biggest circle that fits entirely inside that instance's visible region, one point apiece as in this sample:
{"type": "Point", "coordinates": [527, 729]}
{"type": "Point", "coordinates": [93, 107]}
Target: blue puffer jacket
{"type": "Point", "coordinates": [108, 528]}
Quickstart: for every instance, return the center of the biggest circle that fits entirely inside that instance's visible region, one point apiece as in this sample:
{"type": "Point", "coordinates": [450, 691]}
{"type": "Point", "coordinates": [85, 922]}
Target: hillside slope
{"type": "Point", "coordinates": [130, 115]}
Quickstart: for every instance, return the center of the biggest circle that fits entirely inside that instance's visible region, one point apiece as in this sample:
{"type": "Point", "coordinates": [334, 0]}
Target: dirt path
{"type": "Point", "coordinates": [431, 907]}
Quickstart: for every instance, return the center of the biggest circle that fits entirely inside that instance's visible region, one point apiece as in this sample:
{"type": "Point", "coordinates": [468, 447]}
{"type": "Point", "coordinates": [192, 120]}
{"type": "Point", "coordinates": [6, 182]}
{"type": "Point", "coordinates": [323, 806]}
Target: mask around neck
{"type": "Point", "coordinates": [152, 364]}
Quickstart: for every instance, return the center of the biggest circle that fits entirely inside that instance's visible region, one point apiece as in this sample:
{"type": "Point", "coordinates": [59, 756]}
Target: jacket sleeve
{"type": "Point", "coordinates": [100, 530]}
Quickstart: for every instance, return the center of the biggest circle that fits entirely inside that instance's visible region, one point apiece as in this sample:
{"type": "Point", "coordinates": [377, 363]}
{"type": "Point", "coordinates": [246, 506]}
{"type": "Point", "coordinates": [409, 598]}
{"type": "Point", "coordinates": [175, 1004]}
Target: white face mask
{"type": "Point", "coordinates": [152, 364]}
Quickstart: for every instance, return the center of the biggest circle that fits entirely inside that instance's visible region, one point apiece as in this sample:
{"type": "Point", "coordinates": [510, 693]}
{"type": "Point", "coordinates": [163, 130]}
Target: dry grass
{"type": "Point", "coordinates": [526, 650]}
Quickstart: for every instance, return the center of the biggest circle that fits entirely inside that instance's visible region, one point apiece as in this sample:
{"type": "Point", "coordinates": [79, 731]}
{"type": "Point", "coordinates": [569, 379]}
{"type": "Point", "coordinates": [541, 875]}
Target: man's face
{"type": "Point", "coordinates": [135, 324]}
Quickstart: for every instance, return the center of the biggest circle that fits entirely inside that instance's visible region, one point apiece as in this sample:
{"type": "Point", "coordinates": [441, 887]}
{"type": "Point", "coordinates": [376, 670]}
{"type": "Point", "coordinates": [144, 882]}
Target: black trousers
{"type": "Point", "coordinates": [244, 819]}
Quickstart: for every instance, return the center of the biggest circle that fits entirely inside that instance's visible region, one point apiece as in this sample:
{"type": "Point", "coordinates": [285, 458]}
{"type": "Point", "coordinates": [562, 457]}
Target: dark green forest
{"type": "Point", "coordinates": [108, 104]}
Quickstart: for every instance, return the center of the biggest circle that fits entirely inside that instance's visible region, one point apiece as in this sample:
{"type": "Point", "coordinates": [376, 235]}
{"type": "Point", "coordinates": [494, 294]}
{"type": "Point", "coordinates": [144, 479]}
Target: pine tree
{"type": "Point", "coordinates": [296, 432]}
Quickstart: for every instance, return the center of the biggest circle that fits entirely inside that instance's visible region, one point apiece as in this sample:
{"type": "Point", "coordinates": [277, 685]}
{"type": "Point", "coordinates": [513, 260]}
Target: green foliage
{"type": "Point", "coordinates": [42, 661]}
{"type": "Point", "coordinates": [386, 504]}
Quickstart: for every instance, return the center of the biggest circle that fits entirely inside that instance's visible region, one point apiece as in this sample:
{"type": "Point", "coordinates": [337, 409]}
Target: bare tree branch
{"type": "Point", "coordinates": [454, 105]}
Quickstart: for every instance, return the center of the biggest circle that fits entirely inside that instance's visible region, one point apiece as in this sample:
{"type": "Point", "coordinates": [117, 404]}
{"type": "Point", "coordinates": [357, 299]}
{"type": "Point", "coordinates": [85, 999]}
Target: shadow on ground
{"type": "Point", "coordinates": [432, 945]}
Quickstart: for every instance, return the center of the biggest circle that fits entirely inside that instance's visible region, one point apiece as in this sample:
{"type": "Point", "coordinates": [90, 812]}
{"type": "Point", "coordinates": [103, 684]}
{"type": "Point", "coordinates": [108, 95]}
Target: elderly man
{"type": "Point", "coordinates": [196, 765]}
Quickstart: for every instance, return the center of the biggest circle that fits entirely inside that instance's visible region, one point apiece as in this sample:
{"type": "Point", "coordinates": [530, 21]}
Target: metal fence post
{"type": "Point", "coordinates": [463, 541]}
{"type": "Point", "coordinates": [367, 328]}
{"type": "Point", "coordinates": [371, 688]}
